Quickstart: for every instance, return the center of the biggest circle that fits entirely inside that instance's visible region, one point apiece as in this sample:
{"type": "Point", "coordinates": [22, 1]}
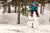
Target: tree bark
{"type": "Point", "coordinates": [18, 12]}
{"type": "Point", "coordinates": [9, 9]}
{"type": "Point", "coordinates": [41, 9]}
{"type": "Point", "coordinates": [49, 19]}
{"type": "Point", "coordinates": [4, 6]}
{"type": "Point", "coordinates": [25, 7]}
{"type": "Point", "coordinates": [15, 7]}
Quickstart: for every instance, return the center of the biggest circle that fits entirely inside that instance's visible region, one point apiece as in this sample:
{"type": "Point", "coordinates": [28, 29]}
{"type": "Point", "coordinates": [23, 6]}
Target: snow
{"type": "Point", "coordinates": [7, 28]}
{"type": "Point", "coordinates": [7, 18]}
{"type": "Point", "coordinates": [4, 28]}
{"type": "Point", "coordinates": [33, 20]}
{"type": "Point", "coordinates": [41, 22]}
{"type": "Point", "coordinates": [8, 22]}
{"type": "Point", "coordinates": [44, 19]}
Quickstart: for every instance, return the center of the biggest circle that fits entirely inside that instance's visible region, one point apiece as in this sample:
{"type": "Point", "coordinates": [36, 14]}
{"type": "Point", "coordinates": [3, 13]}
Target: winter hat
{"type": "Point", "coordinates": [34, 2]}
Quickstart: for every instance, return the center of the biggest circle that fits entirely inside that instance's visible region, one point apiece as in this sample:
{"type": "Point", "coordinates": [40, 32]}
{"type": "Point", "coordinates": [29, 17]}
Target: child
{"type": "Point", "coordinates": [33, 7]}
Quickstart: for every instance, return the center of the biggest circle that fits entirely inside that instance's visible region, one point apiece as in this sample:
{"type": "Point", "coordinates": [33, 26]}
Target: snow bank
{"type": "Point", "coordinates": [12, 18]}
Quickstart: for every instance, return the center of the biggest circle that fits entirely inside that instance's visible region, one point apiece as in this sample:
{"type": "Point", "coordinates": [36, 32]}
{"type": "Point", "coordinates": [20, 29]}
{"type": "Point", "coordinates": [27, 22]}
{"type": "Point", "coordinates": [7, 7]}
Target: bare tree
{"type": "Point", "coordinates": [18, 11]}
{"type": "Point", "coordinates": [4, 5]}
{"type": "Point", "coordinates": [9, 11]}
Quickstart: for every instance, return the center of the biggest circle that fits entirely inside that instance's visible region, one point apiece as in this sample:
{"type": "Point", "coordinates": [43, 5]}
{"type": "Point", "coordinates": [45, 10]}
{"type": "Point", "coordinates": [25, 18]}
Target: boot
{"type": "Point", "coordinates": [31, 15]}
{"type": "Point", "coordinates": [37, 15]}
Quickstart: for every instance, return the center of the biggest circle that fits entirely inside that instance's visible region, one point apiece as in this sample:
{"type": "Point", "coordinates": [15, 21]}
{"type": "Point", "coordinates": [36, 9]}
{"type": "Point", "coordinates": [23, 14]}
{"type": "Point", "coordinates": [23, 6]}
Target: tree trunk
{"type": "Point", "coordinates": [9, 9]}
{"type": "Point", "coordinates": [22, 6]}
{"type": "Point", "coordinates": [15, 7]}
{"type": "Point", "coordinates": [25, 7]}
{"type": "Point", "coordinates": [19, 12]}
{"type": "Point", "coordinates": [41, 9]}
{"type": "Point", "coordinates": [49, 19]}
{"type": "Point", "coordinates": [4, 6]}
{"type": "Point", "coordinates": [4, 9]}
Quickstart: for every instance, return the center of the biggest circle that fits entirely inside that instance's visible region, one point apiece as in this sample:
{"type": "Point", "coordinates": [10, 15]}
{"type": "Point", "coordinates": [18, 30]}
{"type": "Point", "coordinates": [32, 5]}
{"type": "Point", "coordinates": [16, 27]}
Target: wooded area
{"type": "Point", "coordinates": [21, 3]}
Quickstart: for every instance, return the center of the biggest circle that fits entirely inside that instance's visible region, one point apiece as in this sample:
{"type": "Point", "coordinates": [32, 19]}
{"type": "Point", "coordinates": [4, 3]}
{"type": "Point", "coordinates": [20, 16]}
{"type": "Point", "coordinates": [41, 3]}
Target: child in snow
{"type": "Point", "coordinates": [33, 7]}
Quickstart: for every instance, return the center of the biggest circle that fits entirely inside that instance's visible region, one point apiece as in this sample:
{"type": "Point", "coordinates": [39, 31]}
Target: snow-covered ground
{"type": "Point", "coordinates": [7, 28]}
{"type": "Point", "coordinates": [12, 18]}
